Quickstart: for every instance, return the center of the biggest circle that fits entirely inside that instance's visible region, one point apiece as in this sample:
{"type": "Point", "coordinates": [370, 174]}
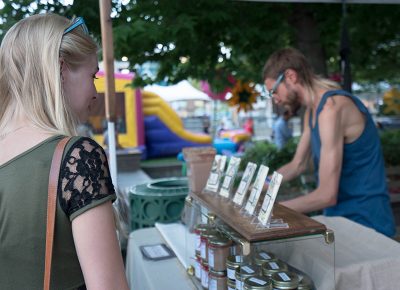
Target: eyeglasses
{"type": "Point", "coordinates": [77, 22]}
{"type": "Point", "coordinates": [272, 91]}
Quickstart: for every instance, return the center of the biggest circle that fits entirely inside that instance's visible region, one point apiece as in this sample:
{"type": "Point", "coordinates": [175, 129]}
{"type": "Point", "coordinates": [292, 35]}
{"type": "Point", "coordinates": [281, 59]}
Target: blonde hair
{"type": "Point", "coordinates": [290, 58]}
{"type": "Point", "coordinates": [30, 73]}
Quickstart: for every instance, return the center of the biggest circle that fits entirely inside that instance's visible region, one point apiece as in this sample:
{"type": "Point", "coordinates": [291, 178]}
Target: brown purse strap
{"type": "Point", "coordinates": [51, 208]}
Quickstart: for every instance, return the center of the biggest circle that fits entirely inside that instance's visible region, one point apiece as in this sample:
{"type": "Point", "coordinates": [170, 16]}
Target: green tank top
{"type": "Point", "coordinates": [23, 202]}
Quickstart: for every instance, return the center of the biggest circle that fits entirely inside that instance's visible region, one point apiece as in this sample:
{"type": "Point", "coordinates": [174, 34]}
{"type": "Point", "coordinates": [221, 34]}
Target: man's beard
{"type": "Point", "coordinates": [293, 102]}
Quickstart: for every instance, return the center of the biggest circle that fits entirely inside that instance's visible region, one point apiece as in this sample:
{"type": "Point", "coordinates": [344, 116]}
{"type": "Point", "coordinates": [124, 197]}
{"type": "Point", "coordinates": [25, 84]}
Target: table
{"type": "Point", "coordinates": [153, 275]}
{"type": "Point", "coordinates": [364, 259]}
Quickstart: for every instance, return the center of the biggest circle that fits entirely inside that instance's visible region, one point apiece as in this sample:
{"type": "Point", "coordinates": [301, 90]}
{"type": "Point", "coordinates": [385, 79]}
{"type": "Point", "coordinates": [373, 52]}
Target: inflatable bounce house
{"type": "Point", "coordinates": [143, 120]}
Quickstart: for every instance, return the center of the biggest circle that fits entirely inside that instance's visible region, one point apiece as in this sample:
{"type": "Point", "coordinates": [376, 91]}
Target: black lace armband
{"type": "Point", "coordinates": [84, 177]}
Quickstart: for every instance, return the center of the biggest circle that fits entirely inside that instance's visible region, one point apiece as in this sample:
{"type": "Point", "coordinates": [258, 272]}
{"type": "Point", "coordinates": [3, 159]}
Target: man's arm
{"type": "Point", "coordinates": [332, 138]}
{"type": "Point", "coordinates": [303, 152]}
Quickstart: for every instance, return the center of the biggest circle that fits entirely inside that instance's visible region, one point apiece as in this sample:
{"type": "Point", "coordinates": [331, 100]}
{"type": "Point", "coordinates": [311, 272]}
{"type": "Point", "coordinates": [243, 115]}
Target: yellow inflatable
{"type": "Point", "coordinates": [155, 105]}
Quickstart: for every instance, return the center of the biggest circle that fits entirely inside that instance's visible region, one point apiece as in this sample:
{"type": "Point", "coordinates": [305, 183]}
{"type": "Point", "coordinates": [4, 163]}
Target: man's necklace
{"type": "Point", "coordinates": [4, 135]}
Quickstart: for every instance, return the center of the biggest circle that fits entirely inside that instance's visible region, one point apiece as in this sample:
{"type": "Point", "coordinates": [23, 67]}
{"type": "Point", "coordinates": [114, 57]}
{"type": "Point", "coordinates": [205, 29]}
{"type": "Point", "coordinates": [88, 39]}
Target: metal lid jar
{"type": "Point", "coordinates": [243, 272]}
{"type": "Point", "coordinates": [232, 263]}
{"type": "Point", "coordinates": [262, 256]}
{"type": "Point", "coordinates": [231, 284]}
{"type": "Point", "coordinates": [197, 231]}
{"type": "Point", "coordinates": [217, 280]}
{"type": "Point", "coordinates": [204, 236]}
{"type": "Point", "coordinates": [257, 283]}
{"type": "Point", "coordinates": [273, 266]}
{"type": "Point", "coordinates": [285, 280]}
{"type": "Point", "coordinates": [218, 251]}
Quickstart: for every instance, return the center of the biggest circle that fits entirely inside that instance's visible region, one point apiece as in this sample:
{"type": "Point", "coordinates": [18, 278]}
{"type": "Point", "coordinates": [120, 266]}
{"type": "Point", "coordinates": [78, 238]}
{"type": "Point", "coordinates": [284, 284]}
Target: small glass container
{"type": "Point", "coordinates": [217, 280]}
{"type": "Point", "coordinates": [231, 284]}
{"type": "Point", "coordinates": [232, 263]}
{"type": "Point", "coordinates": [257, 283]}
{"type": "Point", "coordinates": [305, 283]}
{"type": "Point", "coordinates": [273, 266]}
{"type": "Point", "coordinates": [197, 231]}
{"type": "Point", "coordinates": [204, 275]}
{"type": "Point", "coordinates": [285, 280]}
{"type": "Point", "coordinates": [197, 267]}
{"type": "Point", "coordinates": [204, 236]}
{"type": "Point", "coordinates": [235, 248]}
{"type": "Point", "coordinates": [218, 251]}
{"type": "Point", "coordinates": [243, 272]}
{"type": "Point", "coordinates": [262, 256]}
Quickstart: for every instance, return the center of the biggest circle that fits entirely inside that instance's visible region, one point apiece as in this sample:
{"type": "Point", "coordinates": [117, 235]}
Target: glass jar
{"type": "Point", "coordinates": [231, 284]}
{"type": "Point", "coordinates": [243, 272]}
{"type": "Point", "coordinates": [217, 280]}
{"type": "Point", "coordinates": [197, 231]}
{"type": "Point", "coordinates": [262, 256]}
{"type": "Point", "coordinates": [197, 267]}
{"type": "Point", "coordinates": [232, 263]}
{"type": "Point", "coordinates": [285, 280]}
{"type": "Point", "coordinates": [273, 266]}
{"type": "Point", "coordinates": [204, 236]}
{"type": "Point", "coordinates": [257, 283]}
{"type": "Point", "coordinates": [204, 275]}
{"type": "Point", "coordinates": [218, 251]}
{"type": "Point", "coordinates": [232, 234]}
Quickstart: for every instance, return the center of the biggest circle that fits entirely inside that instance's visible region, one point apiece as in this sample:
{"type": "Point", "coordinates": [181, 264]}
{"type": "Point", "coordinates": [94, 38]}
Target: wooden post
{"type": "Point", "coordinates": [108, 60]}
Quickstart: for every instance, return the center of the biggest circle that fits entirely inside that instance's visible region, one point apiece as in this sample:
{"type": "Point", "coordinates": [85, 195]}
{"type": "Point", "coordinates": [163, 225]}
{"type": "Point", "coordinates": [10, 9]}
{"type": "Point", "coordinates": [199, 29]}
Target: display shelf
{"type": "Point", "coordinates": [299, 224]}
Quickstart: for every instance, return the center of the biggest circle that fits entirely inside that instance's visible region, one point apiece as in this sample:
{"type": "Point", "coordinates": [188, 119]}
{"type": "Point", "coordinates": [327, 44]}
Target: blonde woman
{"type": "Point", "coordinates": [47, 67]}
{"type": "Point", "coordinates": [341, 137]}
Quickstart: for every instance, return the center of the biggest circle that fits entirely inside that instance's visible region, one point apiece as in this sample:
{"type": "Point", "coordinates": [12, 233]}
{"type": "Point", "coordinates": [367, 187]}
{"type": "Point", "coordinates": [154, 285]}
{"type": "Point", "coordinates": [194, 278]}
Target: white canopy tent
{"type": "Point", "coordinates": [182, 91]}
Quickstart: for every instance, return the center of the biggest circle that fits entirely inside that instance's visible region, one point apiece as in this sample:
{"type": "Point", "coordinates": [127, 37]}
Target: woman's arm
{"type": "Point", "coordinates": [98, 250]}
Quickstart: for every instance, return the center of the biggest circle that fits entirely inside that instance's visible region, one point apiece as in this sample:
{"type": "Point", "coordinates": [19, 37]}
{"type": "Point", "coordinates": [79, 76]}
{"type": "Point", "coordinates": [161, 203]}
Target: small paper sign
{"type": "Point", "coordinates": [230, 175]}
{"type": "Point", "coordinates": [256, 190]}
{"type": "Point", "coordinates": [269, 199]}
{"type": "Point", "coordinates": [217, 170]}
{"type": "Point", "coordinates": [156, 252]}
{"type": "Point", "coordinates": [244, 183]}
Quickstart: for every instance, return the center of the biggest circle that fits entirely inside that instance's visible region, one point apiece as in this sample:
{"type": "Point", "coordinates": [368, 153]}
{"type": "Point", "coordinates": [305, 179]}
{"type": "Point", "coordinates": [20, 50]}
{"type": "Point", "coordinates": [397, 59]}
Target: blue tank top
{"type": "Point", "coordinates": [362, 195]}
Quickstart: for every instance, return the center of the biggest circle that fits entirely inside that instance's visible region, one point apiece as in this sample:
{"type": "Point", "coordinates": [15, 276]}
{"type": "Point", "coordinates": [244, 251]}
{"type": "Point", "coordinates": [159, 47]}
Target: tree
{"type": "Point", "coordinates": [211, 39]}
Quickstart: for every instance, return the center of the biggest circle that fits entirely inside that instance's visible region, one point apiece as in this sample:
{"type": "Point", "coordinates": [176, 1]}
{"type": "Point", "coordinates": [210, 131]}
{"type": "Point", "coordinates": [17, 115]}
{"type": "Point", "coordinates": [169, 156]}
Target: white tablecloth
{"type": "Point", "coordinates": [153, 275]}
{"type": "Point", "coordinates": [364, 259]}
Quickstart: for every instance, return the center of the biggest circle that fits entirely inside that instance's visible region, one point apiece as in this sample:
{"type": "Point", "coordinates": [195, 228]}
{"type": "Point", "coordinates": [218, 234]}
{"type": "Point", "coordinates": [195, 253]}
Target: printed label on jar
{"type": "Point", "coordinates": [284, 276]}
{"type": "Point", "coordinates": [239, 285]}
{"type": "Point", "coordinates": [197, 242]}
{"type": "Point", "coordinates": [204, 278]}
{"type": "Point", "coordinates": [247, 270]}
{"type": "Point", "coordinates": [211, 257]}
{"type": "Point", "coordinates": [197, 268]}
{"type": "Point", "coordinates": [203, 250]}
{"type": "Point", "coordinates": [231, 274]}
{"type": "Point", "coordinates": [265, 256]}
{"type": "Point", "coordinates": [273, 265]}
{"type": "Point", "coordinates": [257, 281]}
{"type": "Point", "coordinates": [212, 284]}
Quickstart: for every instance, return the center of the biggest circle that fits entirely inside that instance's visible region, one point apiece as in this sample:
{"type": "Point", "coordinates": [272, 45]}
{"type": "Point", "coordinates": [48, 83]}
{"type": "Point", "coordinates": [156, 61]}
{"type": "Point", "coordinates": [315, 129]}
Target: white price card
{"type": "Point", "coordinates": [217, 170]}
{"type": "Point", "coordinates": [269, 199]}
{"type": "Point", "coordinates": [244, 183]}
{"type": "Point", "coordinates": [256, 190]}
{"type": "Point", "coordinates": [230, 175]}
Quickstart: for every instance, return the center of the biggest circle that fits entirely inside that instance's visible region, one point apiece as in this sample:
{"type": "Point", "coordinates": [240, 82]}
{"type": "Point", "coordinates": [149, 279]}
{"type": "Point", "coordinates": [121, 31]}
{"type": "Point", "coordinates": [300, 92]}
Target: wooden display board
{"type": "Point", "coordinates": [299, 224]}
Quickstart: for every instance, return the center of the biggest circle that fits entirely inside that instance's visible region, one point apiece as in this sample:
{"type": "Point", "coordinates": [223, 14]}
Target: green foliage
{"type": "Point", "coordinates": [223, 37]}
{"type": "Point", "coordinates": [390, 141]}
{"type": "Point", "coordinates": [265, 153]}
